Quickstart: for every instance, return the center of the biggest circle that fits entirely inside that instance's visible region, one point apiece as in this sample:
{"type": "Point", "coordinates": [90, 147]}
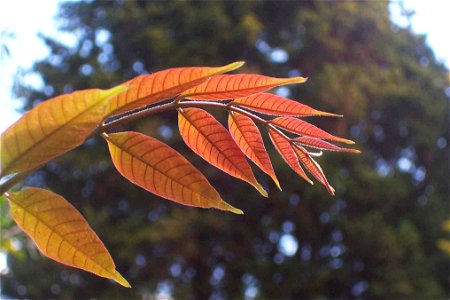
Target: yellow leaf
{"type": "Point", "coordinates": [52, 128]}
{"type": "Point", "coordinates": [61, 233]}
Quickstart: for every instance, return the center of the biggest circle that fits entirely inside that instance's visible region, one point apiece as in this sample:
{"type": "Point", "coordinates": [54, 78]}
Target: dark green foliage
{"type": "Point", "coordinates": [375, 239]}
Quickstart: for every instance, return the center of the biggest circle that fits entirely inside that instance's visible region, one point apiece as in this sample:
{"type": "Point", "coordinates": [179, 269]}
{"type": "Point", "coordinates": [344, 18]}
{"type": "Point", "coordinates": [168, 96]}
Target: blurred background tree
{"type": "Point", "coordinates": [375, 239]}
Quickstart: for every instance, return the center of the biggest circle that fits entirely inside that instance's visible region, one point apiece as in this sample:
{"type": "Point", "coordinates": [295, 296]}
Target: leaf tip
{"type": "Point", "coordinates": [277, 183]}
{"type": "Point", "coordinates": [233, 66]}
{"type": "Point", "coordinates": [345, 141]}
{"type": "Point", "coordinates": [120, 280]}
{"type": "Point", "coordinates": [328, 114]}
{"type": "Point", "coordinates": [331, 190]}
{"type": "Point", "coordinates": [227, 207]}
{"type": "Point", "coordinates": [261, 190]}
{"type": "Point", "coordinates": [298, 79]}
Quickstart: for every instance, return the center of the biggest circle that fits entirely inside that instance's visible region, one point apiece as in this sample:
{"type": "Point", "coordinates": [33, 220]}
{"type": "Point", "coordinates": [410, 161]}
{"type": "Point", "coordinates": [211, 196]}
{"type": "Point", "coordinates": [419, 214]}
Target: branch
{"type": "Point", "coordinates": [142, 113]}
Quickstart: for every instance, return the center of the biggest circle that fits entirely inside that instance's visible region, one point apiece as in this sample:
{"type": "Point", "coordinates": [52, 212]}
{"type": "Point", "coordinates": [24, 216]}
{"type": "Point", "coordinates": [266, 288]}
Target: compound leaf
{"type": "Point", "coordinates": [61, 233]}
{"type": "Point", "coordinates": [211, 141]}
{"type": "Point", "coordinates": [161, 170]}
{"type": "Point", "coordinates": [246, 134]}
{"type": "Point", "coordinates": [224, 87]}
{"type": "Point", "coordinates": [52, 128]}
{"type": "Point", "coordinates": [270, 104]}
{"type": "Point", "coordinates": [162, 85]}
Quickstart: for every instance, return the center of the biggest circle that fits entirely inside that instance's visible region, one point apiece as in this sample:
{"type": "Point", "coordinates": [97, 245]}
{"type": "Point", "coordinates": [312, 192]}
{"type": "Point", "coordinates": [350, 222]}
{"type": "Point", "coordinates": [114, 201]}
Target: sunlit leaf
{"type": "Point", "coordinates": [270, 104]}
{"type": "Point", "coordinates": [224, 87]}
{"type": "Point", "coordinates": [61, 233]}
{"type": "Point", "coordinates": [306, 129]}
{"type": "Point", "coordinates": [322, 145]}
{"type": "Point", "coordinates": [52, 128]}
{"type": "Point", "coordinates": [161, 170]}
{"type": "Point", "coordinates": [286, 151]}
{"type": "Point", "coordinates": [313, 167]}
{"type": "Point", "coordinates": [162, 85]}
{"type": "Point", "coordinates": [249, 139]}
{"type": "Point", "coordinates": [211, 141]}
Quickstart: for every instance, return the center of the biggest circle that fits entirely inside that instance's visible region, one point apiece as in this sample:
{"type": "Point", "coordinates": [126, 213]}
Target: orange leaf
{"type": "Point", "coordinates": [306, 129]}
{"type": "Point", "coordinates": [322, 145]}
{"type": "Point", "coordinates": [247, 136]}
{"type": "Point", "coordinates": [162, 85]}
{"type": "Point", "coordinates": [52, 128]}
{"type": "Point", "coordinates": [313, 167]}
{"type": "Point", "coordinates": [224, 87]}
{"type": "Point", "coordinates": [61, 233]}
{"type": "Point", "coordinates": [270, 104]}
{"type": "Point", "coordinates": [161, 170]}
{"type": "Point", "coordinates": [211, 141]}
{"type": "Point", "coordinates": [286, 151]}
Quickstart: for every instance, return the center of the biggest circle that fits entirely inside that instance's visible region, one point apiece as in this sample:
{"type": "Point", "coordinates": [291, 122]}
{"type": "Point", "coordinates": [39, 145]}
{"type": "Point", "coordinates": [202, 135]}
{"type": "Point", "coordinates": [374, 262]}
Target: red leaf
{"type": "Point", "coordinates": [247, 136]}
{"type": "Point", "coordinates": [211, 141]}
{"type": "Point", "coordinates": [322, 145]}
{"type": "Point", "coordinates": [162, 85]}
{"type": "Point", "coordinates": [313, 167]}
{"type": "Point", "coordinates": [286, 151]}
{"type": "Point", "coordinates": [224, 87]}
{"type": "Point", "coordinates": [161, 170]}
{"type": "Point", "coordinates": [270, 104]}
{"type": "Point", "coordinates": [306, 129]}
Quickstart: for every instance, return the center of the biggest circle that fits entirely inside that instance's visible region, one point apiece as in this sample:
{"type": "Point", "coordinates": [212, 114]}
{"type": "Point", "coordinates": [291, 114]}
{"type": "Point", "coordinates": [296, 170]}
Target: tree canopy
{"type": "Point", "coordinates": [375, 239]}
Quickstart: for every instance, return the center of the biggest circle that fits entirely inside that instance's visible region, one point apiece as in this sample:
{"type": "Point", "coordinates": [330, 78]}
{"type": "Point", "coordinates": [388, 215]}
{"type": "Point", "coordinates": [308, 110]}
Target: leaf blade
{"type": "Point", "coordinates": [322, 145]}
{"type": "Point", "coordinates": [131, 153]}
{"type": "Point", "coordinates": [224, 87]}
{"type": "Point", "coordinates": [306, 129]}
{"type": "Point", "coordinates": [313, 167]}
{"type": "Point", "coordinates": [247, 136]}
{"type": "Point", "coordinates": [286, 151]}
{"type": "Point", "coordinates": [61, 232]}
{"type": "Point", "coordinates": [211, 141]}
{"type": "Point", "coordinates": [52, 128]}
{"type": "Point", "coordinates": [162, 85]}
{"type": "Point", "coordinates": [275, 105]}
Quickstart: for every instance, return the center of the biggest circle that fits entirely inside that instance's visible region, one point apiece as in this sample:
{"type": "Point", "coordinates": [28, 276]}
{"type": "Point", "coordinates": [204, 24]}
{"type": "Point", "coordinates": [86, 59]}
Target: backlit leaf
{"type": "Point", "coordinates": [322, 145]}
{"type": "Point", "coordinates": [286, 151]}
{"type": "Point", "coordinates": [306, 129]}
{"type": "Point", "coordinates": [61, 233]}
{"type": "Point", "coordinates": [161, 170]}
{"type": "Point", "coordinates": [162, 85]}
{"type": "Point", "coordinates": [247, 136]}
{"type": "Point", "coordinates": [211, 141]}
{"type": "Point", "coordinates": [224, 87]}
{"type": "Point", "coordinates": [270, 104]}
{"type": "Point", "coordinates": [52, 128]}
{"type": "Point", "coordinates": [313, 167]}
